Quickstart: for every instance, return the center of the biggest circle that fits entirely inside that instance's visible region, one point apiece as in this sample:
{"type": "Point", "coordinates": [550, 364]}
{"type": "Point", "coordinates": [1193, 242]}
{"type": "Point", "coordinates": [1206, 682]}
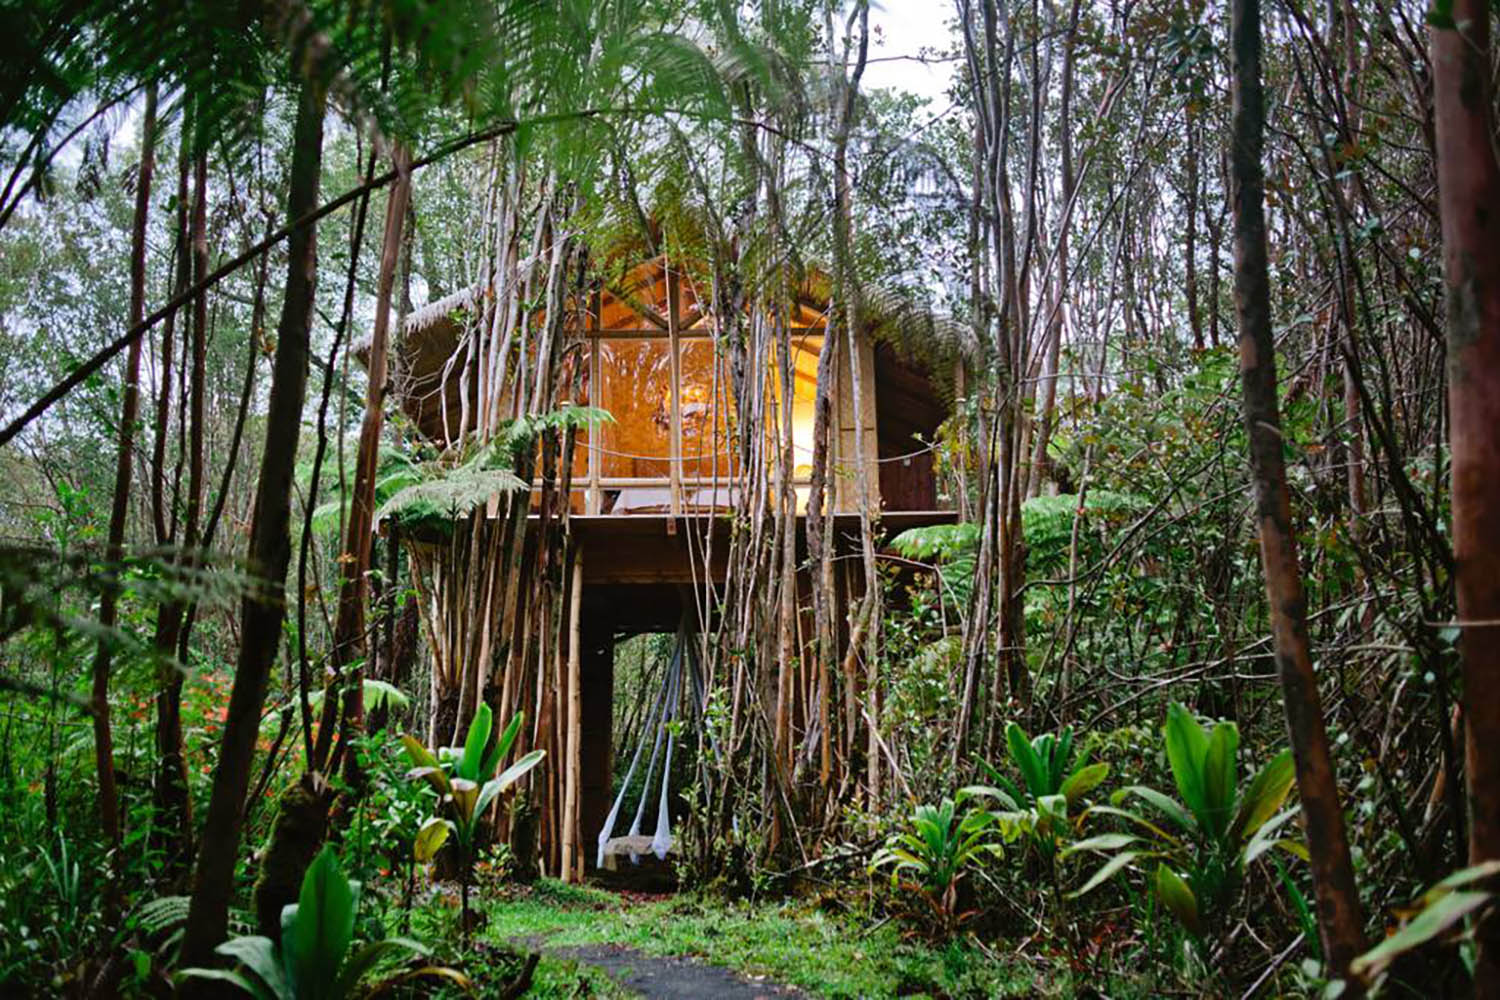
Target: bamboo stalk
{"type": "Point", "coordinates": [572, 864]}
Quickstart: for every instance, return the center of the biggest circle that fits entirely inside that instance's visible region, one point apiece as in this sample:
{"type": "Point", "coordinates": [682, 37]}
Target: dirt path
{"type": "Point", "coordinates": [657, 978]}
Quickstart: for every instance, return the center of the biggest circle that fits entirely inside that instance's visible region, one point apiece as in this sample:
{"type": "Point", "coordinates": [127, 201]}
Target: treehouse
{"type": "Point", "coordinates": [698, 434]}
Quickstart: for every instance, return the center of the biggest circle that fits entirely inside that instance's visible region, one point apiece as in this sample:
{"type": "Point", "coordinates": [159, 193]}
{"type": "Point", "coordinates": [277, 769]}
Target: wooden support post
{"type": "Point", "coordinates": [676, 356]}
{"type": "Point", "coordinates": [594, 500]}
{"type": "Point", "coordinates": [572, 860]}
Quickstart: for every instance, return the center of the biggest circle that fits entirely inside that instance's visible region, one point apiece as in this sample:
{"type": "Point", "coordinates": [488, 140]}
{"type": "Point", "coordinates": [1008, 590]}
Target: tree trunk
{"type": "Point", "coordinates": [171, 800]}
{"type": "Point", "coordinates": [1468, 193]}
{"type": "Point", "coordinates": [263, 610]}
{"type": "Point", "coordinates": [348, 635]}
{"type": "Point", "coordinates": [1339, 918]}
{"type": "Point", "coordinates": [109, 802]}
{"type": "Point", "coordinates": [1195, 315]}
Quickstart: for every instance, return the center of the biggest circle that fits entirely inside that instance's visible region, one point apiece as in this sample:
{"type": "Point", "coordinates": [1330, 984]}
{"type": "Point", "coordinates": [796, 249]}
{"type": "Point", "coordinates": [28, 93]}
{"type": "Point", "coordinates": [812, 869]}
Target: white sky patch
{"type": "Point", "coordinates": [904, 31]}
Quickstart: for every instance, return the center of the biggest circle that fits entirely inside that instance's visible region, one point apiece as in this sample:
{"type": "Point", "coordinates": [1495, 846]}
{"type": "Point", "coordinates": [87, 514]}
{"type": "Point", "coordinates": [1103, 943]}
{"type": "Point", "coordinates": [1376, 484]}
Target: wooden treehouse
{"type": "Point", "coordinates": [650, 496]}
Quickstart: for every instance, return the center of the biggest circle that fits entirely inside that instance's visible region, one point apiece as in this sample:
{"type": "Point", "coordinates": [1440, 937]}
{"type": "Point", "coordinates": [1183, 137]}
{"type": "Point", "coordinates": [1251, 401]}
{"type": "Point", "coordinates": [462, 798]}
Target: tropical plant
{"type": "Point", "coordinates": [439, 492]}
{"type": "Point", "coordinates": [952, 548]}
{"type": "Point", "coordinates": [1202, 843]}
{"type": "Point", "coordinates": [316, 958]}
{"type": "Point", "coordinates": [943, 844]}
{"type": "Point", "coordinates": [465, 781]}
{"type": "Point", "coordinates": [1460, 899]}
{"type": "Point", "coordinates": [1051, 784]}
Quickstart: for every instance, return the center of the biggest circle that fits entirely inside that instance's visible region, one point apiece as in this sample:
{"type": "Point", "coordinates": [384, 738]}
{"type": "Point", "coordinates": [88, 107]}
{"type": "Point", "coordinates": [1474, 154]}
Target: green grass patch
{"type": "Point", "coordinates": [826, 954]}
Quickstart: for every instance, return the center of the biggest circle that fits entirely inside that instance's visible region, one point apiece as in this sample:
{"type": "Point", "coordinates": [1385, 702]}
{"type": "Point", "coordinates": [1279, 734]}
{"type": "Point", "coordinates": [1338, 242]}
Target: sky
{"type": "Point", "coordinates": [901, 30]}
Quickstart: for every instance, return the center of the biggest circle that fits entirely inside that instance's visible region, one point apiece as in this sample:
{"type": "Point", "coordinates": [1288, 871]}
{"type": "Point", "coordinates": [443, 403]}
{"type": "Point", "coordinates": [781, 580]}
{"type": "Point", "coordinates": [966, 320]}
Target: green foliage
{"type": "Point", "coordinates": [377, 694]}
{"type": "Point", "coordinates": [395, 471]}
{"type": "Point", "coordinates": [466, 785]}
{"type": "Point", "coordinates": [942, 846]}
{"type": "Point", "coordinates": [1202, 841]}
{"type": "Point", "coordinates": [438, 493]}
{"type": "Point", "coordinates": [1047, 524]}
{"type": "Point", "coordinates": [316, 958]}
{"type": "Point", "coordinates": [952, 547]}
{"type": "Point", "coordinates": [1461, 898]}
{"type": "Point", "coordinates": [443, 495]}
{"type": "Point", "coordinates": [1052, 784]}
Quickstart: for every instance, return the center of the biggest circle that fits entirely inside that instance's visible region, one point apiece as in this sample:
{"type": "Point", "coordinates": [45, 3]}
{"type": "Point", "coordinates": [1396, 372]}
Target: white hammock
{"type": "Point", "coordinates": [660, 729]}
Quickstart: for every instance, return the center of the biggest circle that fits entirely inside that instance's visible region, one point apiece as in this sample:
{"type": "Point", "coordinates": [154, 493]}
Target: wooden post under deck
{"type": "Point", "coordinates": [572, 862]}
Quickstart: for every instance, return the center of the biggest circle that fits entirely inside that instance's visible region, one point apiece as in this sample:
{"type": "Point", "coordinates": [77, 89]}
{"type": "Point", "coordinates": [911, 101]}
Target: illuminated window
{"type": "Point", "coordinates": [635, 377]}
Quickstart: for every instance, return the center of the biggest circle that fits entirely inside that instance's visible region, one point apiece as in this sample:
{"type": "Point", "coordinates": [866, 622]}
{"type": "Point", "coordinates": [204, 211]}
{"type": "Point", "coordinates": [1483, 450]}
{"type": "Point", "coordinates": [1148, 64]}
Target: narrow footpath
{"type": "Point", "coordinates": [667, 978]}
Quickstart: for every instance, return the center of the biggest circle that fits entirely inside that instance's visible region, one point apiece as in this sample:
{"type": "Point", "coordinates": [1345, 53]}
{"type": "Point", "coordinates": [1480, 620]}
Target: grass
{"type": "Point", "coordinates": [825, 954]}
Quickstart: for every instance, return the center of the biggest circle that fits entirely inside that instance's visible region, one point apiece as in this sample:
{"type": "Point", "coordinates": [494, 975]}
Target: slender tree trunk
{"type": "Point", "coordinates": [171, 800]}
{"type": "Point", "coordinates": [1468, 193]}
{"type": "Point", "coordinates": [846, 292]}
{"type": "Point", "coordinates": [348, 635]}
{"type": "Point", "coordinates": [1195, 315]}
{"type": "Point", "coordinates": [302, 814]}
{"type": "Point", "coordinates": [263, 610]}
{"type": "Point", "coordinates": [109, 801]}
{"type": "Point", "coordinates": [1339, 917]}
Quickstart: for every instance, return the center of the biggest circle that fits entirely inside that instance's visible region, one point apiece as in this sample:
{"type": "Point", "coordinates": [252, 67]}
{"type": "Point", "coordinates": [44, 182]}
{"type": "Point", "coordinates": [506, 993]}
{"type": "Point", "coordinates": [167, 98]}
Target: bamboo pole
{"type": "Point", "coordinates": [572, 859]}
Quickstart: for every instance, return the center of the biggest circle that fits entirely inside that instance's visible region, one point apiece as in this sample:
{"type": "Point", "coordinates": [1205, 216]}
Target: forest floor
{"type": "Point", "coordinates": [598, 943]}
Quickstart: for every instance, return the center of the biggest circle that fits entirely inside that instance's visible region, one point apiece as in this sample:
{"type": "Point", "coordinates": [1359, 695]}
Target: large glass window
{"type": "Point", "coordinates": [633, 457]}
{"type": "Point", "coordinates": [805, 350]}
{"type": "Point", "coordinates": [635, 378]}
{"type": "Point", "coordinates": [707, 413]}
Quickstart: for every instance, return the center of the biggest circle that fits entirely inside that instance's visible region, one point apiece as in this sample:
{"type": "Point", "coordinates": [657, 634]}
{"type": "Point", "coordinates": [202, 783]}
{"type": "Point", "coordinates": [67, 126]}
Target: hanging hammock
{"type": "Point", "coordinates": [658, 729]}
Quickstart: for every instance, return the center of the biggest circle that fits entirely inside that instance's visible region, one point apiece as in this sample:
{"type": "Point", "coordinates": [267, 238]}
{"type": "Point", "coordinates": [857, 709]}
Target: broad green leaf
{"type": "Point", "coordinates": [321, 927]}
{"type": "Point", "coordinates": [1159, 801]}
{"type": "Point", "coordinates": [1218, 778]}
{"type": "Point", "coordinates": [1045, 748]}
{"type": "Point", "coordinates": [258, 955]}
{"type": "Point", "coordinates": [1295, 848]}
{"type": "Point", "coordinates": [1083, 781]}
{"type": "Point", "coordinates": [975, 819]}
{"type": "Point", "coordinates": [1187, 745]}
{"type": "Point", "coordinates": [475, 742]}
{"type": "Point", "coordinates": [434, 776]}
{"type": "Point", "coordinates": [1102, 842]}
{"type": "Point", "coordinates": [1061, 754]}
{"type": "Point", "coordinates": [512, 774]}
{"type": "Point", "coordinates": [250, 986]}
{"type": "Point", "coordinates": [417, 753]}
{"type": "Point", "coordinates": [1463, 877]}
{"type": "Point", "coordinates": [487, 794]}
{"type": "Point", "coordinates": [1107, 872]}
{"type": "Point", "coordinates": [465, 794]}
{"type": "Point", "coordinates": [987, 791]}
{"type": "Point", "coordinates": [502, 746]}
{"type": "Point", "coordinates": [431, 838]}
{"type": "Point", "coordinates": [1026, 760]}
{"type": "Point", "coordinates": [1167, 839]}
{"type": "Point", "coordinates": [1430, 923]}
{"type": "Point", "coordinates": [1265, 794]}
{"type": "Point", "coordinates": [1052, 812]}
{"type": "Point", "coordinates": [1178, 898]}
